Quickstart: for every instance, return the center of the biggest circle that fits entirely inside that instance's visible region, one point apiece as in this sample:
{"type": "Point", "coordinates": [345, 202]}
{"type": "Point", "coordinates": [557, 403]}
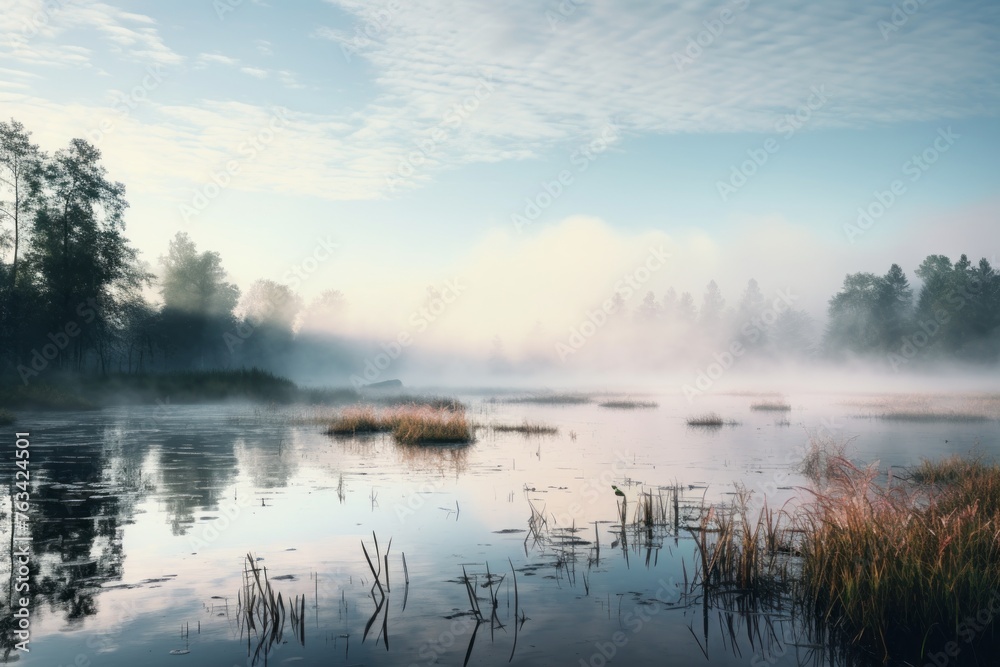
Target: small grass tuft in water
{"type": "Point", "coordinates": [710, 419]}
{"type": "Point", "coordinates": [409, 425]}
{"type": "Point", "coordinates": [359, 420]}
{"type": "Point", "coordinates": [771, 406]}
{"type": "Point", "coordinates": [949, 470]}
{"type": "Point", "coordinates": [932, 416]}
{"type": "Point", "coordinates": [707, 419]}
{"type": "Point", "coordinates": [427, 426]}
{"type": "Point", "coordinates": [526, 428]}
{"type": "Point", "coordinates": [822, 453]}
{"type": "Point", "coordinates": [6, 417]}
{"type": "Point", "coordinates": [553, 399]}
{"type": "Point", "coordinates": [629, 404]}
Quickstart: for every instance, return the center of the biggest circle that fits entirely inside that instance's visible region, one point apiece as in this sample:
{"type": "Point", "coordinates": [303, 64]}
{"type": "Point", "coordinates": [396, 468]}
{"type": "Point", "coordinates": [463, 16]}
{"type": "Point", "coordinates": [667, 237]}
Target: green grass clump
{"type": "Point", "coordinates": [629, 404]}
{"type": "Point", "coordinates": [6, 417]}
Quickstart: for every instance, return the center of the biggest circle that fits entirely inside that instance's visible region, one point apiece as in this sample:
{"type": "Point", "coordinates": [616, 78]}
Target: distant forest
{"type": "Point", "coordinates": [954, 316]}
{"type": "Point", "coordinates": [72, 294]}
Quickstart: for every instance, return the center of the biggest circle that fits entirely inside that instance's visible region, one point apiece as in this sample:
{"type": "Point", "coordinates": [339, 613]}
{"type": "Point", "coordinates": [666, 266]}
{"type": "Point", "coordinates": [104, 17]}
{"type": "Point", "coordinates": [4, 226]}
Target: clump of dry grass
{"type": "Point", "coordinates": [359, 420]}
{"type": "Point", "coordinates": [821, 457]}
{"type": "Point", "coordinates": [526, 428]}
{"type": "Point", "coordinates": [739, 550]}
{"type": "Point", "coordinates": [711, 420]}
{"type": "Point", "coordinates": [707, 419]}
{"type": "Point", "coordinates": [412, 424]}
{"type": "Point", "coordinates": [429, 426]}
{"type": "Point", "coordinates": [771, 406]}
{"type": "Point", "coordinates": [948, 470]}
{"type": "Point", "coordinates": [888, 569]}
{"type": "Point", "coordinates": [629, 404]}
{"type": "Point", "coordinates": [888, 566]}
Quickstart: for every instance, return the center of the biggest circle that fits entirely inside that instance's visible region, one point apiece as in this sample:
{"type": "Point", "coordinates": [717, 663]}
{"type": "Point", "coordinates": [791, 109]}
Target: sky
{"type": "Point", "coordinates": [531, 153]}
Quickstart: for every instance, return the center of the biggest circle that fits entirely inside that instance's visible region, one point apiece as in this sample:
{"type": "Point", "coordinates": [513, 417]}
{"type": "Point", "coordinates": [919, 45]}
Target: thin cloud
{"type": "Point", "coordinates": [255, 72]}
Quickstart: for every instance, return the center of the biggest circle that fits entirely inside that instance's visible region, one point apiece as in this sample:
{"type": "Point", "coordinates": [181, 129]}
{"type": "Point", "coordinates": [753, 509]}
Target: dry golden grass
{"type": "Point", "coordinates": [431, 426]}
{"type": "Point", "coordinates": [411, 424]}
{"type": "Point", "coordinates": [359, 420]}
{"type": "Point", "coordinates": [889, 565]}
{"type": "Point", "coordinates": [888, 568]}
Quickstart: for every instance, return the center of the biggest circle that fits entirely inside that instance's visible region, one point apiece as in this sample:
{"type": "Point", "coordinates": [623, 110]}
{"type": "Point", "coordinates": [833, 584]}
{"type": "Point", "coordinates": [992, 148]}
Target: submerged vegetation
{"type": "Point", "coordinates": [6, 417]}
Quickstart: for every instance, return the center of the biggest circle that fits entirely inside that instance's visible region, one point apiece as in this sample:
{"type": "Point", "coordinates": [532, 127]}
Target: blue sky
{"type": "Point", "coordinates": [411, 133]}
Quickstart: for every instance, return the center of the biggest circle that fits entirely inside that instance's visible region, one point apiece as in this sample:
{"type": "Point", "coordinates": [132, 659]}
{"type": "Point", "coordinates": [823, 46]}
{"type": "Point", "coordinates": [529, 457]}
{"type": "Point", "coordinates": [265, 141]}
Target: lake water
{"type": "Point", "coordinates": [141, 521]}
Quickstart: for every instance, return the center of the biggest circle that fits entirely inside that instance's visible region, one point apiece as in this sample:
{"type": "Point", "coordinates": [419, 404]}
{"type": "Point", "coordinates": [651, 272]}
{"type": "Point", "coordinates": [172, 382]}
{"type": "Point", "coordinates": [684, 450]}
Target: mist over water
{"type": "Point", "coordinates": [561, 333]}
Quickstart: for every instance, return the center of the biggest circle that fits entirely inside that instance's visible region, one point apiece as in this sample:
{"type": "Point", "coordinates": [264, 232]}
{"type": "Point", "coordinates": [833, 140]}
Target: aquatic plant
{"type": "Point", "coordinates": [6, 417]}
{"type": "Point", "coordinates": [526, 428]}
{"type": "Point", "coordinates": [821, 454]}
{"type": "Point", "coordinates": [771, 406]}
{"type": "Point", "coordinates": [970, 407]}
{"type": "Point", "coordinates": [707, 419]}
{"type": "Point", "coordinates": [628, 404]}
{"type": "Point", "coordinates": [553, 399]}
{"type": "Point", "coordinates": [882, 569]}
{"type": "Point", "coordinates": [262, 612]}
{"type": "Point", "coordinates": [357, 420]}
{"type": "Point", "coordinates": [408, 424]}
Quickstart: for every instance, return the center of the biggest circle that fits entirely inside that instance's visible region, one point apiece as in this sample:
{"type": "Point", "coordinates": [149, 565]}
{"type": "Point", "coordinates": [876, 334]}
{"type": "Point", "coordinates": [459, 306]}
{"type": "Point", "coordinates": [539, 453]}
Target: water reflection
{"type": "Point", "coordinates": [110, 485]}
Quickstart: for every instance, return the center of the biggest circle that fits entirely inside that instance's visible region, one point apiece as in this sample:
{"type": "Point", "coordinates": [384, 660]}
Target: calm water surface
{"type": "Point", "coordinates": [141, 520]}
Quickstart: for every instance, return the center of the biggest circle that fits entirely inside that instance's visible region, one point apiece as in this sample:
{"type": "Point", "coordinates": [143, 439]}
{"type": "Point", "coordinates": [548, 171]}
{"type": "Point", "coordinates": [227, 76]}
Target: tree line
{"type": "Point", "coordinates": [954, 315]}
{"type": "Point", "coordinates": [74, 297]}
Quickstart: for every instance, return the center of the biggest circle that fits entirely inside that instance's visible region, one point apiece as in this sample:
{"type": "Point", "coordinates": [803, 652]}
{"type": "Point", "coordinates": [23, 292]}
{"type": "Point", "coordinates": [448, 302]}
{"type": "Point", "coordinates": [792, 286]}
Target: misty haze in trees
{"type": "Point", "coordinates": [74, 299]}
{"type": "Point", "coordinates": [955, 315]}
